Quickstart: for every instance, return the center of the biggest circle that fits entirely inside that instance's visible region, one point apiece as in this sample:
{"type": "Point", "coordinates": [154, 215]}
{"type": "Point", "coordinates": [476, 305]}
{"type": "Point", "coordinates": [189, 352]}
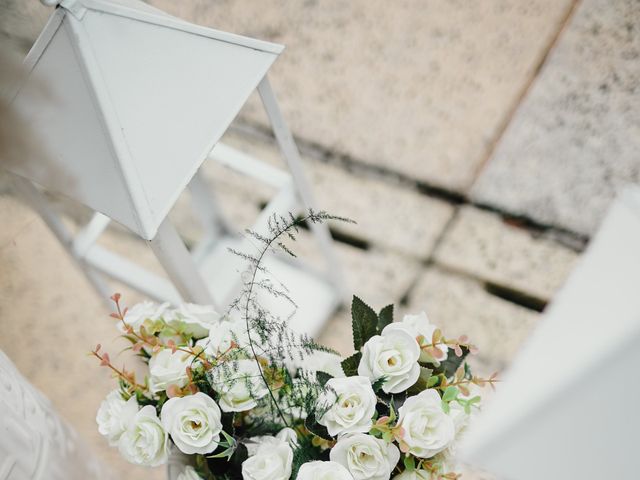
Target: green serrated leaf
{"type": "Point", "coordinates": [323, 378]}
{"type": "Point", "coordinates": [350, 364]}
{"type": "Point", "coordinates": [314, 427]}
{"type": "Point", "coordinates": [364, 322]}
{"type": "Point", "coordinates": [385, 317]}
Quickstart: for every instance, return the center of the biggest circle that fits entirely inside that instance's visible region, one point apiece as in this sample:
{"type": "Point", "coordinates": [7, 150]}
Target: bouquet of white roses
{"type": "Point", "coordinates": [244, 397]}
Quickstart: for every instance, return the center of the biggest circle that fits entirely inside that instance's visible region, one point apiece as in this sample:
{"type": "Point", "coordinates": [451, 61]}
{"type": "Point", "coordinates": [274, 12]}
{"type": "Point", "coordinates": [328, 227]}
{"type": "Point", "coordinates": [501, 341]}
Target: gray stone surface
{"type": "Point", "coordinates": [417, 87]}
{"type": "Point", "coordinates": [481, 244]}
{"type": "Point", "coordinates": [459, 305]}
{"type": "Point", "coordinates": [387, 214]}
{"type": "Point", "coordinates": [575, 140]}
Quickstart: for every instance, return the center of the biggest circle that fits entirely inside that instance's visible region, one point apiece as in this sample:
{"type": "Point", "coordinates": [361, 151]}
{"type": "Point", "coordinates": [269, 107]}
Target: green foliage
{"type": "Point", "coordinates": [314, 427]}
{"type": "Point", "coordinates": [377, 385]}
{"type": "Point", "coordinates": [364, 322]}
{"type": "Point", "coordinates": [449, 366]}
{"type": "Point", "coordinates": [450, 394]}
{"type": "Point", "coordinates": [409, 463]}
{"type": "Point", "coordinates": [323, 378]}
{"type": "Point", "coordinates": [350, 364]}
{"type": "Point", "coordinates": [385, 317]}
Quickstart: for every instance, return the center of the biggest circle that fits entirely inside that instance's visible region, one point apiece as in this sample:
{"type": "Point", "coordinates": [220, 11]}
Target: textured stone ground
{"type": "Point", "coordinates": [430, 123]}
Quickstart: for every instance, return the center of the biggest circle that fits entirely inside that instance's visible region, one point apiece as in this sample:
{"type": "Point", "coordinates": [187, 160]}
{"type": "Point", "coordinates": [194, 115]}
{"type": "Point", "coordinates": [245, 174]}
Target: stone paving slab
{"type": "Point", "coordinates": [460, 305]}
{"type": "Point", "coordinates": [481, 244]}
{"type": "Point", "coordinates": [418, 87]}
{"type": "Point", "coordinates": [388, 214]}
{"type": "Point", "coordinates": [50, 318]}
{"type": "Point", "coordinates": [575, 139]}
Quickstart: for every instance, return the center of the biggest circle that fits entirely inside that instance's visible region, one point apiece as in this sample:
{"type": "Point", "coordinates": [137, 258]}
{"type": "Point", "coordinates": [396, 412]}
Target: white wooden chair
{"type": "Point", "coordinates": [136, 101]}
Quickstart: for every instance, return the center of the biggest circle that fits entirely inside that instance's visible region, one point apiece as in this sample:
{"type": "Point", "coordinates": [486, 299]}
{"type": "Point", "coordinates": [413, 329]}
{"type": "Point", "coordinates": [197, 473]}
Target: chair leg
{"type": "Point", "coordinates": [179, 265]}
{"type": "Point", "coordinates": [292, 157]}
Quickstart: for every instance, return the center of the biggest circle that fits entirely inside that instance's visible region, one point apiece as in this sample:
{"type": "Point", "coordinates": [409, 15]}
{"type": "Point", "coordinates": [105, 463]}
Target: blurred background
{"type": "Point", "coordinates": [477, 144]}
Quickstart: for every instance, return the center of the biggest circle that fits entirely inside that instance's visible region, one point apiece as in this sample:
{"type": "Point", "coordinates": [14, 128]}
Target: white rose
{"type": "Point", "coordinates": [325, 362]}
{"type": "Point", "coordinates": [145, 442]}
{"type": "Point", "coordinates": [427, 428]}
{"type": "Point", "coordinates": [142, 313]}
{"type": "Point", "coordinates": [242, 391]}
{"type": "Point", "coordinates": [323, 471]}
{"type": "Point", "coordinates": [271, 460]}
{"type": "Point", "coordinates": [351, 405]}
{"type": "Point", "coordinates": [366, 457]}
{"type": "Point", "coordinates": [167, 368]}
{"type": "Point", "coordinates": [189, 473]}
{"type": "Point", "coordinates": [414, 475]}
{"type": "Point", "coordinates": [114, 416]}
{"type": "Point", "coordinates": [195, 320]}
{"type": "Point", "coordinates": [193, 423]}
{"type": "Point", "coordinates": [223, 335]}
{"type": "Point", "coordinates": [394, 355]}
{"type": "Point", "coordinates": [420, 328]}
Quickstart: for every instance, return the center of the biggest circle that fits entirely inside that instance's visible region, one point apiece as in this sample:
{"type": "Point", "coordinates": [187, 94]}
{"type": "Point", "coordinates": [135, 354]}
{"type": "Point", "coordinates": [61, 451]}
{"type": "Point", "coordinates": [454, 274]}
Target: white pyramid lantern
{"type": "Point", "coordinates": [135, 102]}
{"type": "Point", "coordinates": [568, 405]}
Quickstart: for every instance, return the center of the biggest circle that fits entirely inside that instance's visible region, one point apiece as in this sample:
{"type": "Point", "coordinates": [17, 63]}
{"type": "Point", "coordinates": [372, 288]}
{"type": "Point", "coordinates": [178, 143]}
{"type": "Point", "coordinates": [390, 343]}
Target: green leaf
{"type": "Point", "coordinates": [323, 378]}
{"type": "Point", "coordinates": [409, 463]}
{"type": "Point", "coordinates": [450, 394]}
{"type": "Point", "coordinates": [364, 322]}
{"type": "Point", "coordinates": [377, 385]}
{"type": "Point", "coordinates": [433, 381]}
{"type": "Point", "coordinates": [445, 407]}
{"type": "Point", "coordinates": [385, 317]}
{"type": "Point", "coordinates": [314, 427]}
{"type": "Point", "coordinates": [452, 363]}
{"type": "Point", "coordinates": [350, 364]}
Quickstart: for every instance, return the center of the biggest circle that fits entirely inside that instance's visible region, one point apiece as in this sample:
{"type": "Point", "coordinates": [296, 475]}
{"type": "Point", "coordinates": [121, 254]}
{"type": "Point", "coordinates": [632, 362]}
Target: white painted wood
{"type": "Point", "coordinates": [244, 163]}
{"type": "Point", "coordinates": [90, 234]}
{"type": "Point", "coordinates": [35, 443]}
{"type": "Point", "coordinates": [566, 407]}
{"type": "Point", "coordinates": [177, 262]}
{"type": "Point", "coordinates": [294, 162]}
{"type": "Point", "coordinates": [124, 270]}
{"type": "Point", "coordinates": [135, 102]}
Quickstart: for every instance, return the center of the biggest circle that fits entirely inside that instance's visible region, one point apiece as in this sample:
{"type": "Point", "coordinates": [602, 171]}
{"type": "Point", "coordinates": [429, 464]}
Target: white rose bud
{"type": "Point", "coordinates": [394, 355]}
{"type": "Point", "coordinates": [351, 405]}
{"type": "Point", "coordinates": [271, 460]}
{"type": "Point", "coordinates": [189, 473]}
{"type": "Point", "coordinates": [420, 328]}
{"type": "Point", "coordinates": [427, 428]}
{"type": "Point", "coordinates": [242, 391]}
{"type": "Point", "coordinates": [142, 313]}
{"type": "Point", "coordinates": [196, 320]}
{"type": "Point", "coordinates": [114, 416]}
{"type": "Point", "coordinates": [193, 423]}
{"type": "Point", "coordinates": [366, 457]}
{"type": "Point", "coordinates": [145, 442]}
{"type": "Point", "coordinates": [323, 471]}
{"type": "Point", "coordinates": [167, 368]}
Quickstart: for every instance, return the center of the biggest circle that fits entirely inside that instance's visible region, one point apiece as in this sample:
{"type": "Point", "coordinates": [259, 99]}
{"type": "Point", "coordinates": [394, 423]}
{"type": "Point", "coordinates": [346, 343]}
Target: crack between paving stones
{"type": "Point", "coordinates": [511, 112]}
{"type": "Point", "coordinates": [572, 240]}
